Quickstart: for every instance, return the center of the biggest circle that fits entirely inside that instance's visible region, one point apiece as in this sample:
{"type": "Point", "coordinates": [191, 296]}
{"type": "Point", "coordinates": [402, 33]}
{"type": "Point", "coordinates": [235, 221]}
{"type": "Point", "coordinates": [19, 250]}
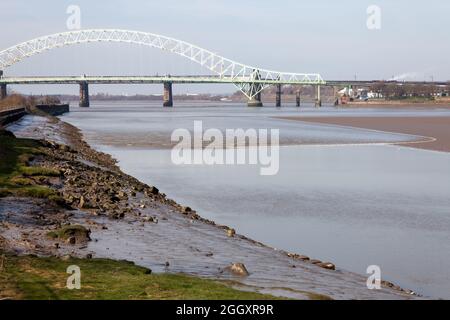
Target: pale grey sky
{"type": "Point", "coordinates": [322, 36]}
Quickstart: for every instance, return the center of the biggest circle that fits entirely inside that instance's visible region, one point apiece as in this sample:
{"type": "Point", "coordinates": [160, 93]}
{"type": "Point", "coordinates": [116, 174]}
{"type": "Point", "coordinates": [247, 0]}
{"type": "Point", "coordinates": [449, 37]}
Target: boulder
{"type": "Point", "coordinates": [237, 269]}
{"type": "Point", "coordinates": [71, 234]}
{"type": "Point", "coordinates": [151, 191]}
{"type": "Point", "coordinates": [231, 232]}
{"type": "Point", "coordinates": [71, 240]}
{"type": "Point", "coordinates": [298, 256]}
{"type": "Point", "coordinates": [186, 210]}
{"type": "Point", "coordinates": [327, 265]}
{"type": "Point", "coordinates": [82, 202]}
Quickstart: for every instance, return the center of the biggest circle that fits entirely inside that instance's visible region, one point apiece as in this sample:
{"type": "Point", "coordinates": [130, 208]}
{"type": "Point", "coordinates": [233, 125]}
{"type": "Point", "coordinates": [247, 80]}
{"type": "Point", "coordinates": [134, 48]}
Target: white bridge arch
{"type": "Point", "coordinates": [250, 80]}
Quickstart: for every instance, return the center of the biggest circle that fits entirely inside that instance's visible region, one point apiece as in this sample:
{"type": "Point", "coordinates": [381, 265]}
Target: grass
{"type": "Point", "coordinates": [15, 173]}
{"type": "Point", "coordinates": [14, 100]}
{"type": "Point", "coordinates": [68, 231]}
{"type": "Point", "coordinates": [39, 171]}
{"type": "Point", "coordinates": [30, 277]}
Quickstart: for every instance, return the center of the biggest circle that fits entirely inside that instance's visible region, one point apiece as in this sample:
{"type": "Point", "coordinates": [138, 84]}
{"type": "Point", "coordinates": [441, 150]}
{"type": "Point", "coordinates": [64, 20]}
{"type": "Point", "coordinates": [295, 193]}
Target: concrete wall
{"type": "Point", "coordinates": [14, 114]}
{"type": "Point", "coordinates": [11, 115]}
{"type": "Point", "coordinates": [53, 109]}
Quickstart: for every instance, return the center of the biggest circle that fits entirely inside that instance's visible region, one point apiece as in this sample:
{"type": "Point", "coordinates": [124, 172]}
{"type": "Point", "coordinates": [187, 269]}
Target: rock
{"type": "Point", "coordinates": [82, 202]}
{"type": "Point", "coordinates": [114, 198]}
{"type": "Point", "coordinates": [327, 265]}
{"type": "Point", "coordinates": [56, 245]}
{"type": "Point", "coordinates": [118, 215]}
{"type": "Point", "coordinates": [302, 257]}
{"type": "Point", "coordinates": [186, 210]}
{"type": "Point", "coordinates": [66, 257]}
{"type": "Point", "coordinates": [298, 256]}
{"type": "Point", "coordinates": [151, 219]}
{"type": "Point", "coordinates": [231, 232]}
{"type": "Point", "coordinates": [151, 191]}
{"type": "Point", "coordinates": [71, 234]}
{"type": "Point", "coordinates": [64, 148]}
{"type": "Point", "coordinates": [147, 271]}
{"type": "Point", "coordinates": [89, 256]}
{"type": "Point", "coordinates": [237, 269]}
{"type": "Point", "coordinates": [315, 261]}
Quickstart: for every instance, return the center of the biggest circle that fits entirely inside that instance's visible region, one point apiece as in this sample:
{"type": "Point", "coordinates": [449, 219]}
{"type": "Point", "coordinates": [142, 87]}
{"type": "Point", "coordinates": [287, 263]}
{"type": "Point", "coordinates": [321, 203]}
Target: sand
{"type": "Point", "coordinates": [437, 128]}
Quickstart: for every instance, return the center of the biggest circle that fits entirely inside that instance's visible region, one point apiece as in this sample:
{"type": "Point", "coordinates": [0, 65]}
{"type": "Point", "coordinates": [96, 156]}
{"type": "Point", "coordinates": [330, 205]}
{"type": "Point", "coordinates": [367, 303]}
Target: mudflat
{"type": "Point", "coordinates": [436, 130]}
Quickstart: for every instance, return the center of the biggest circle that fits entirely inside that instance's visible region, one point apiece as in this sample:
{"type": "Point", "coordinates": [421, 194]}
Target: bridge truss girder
{"type": "Point", "coordinates": [241, 75]}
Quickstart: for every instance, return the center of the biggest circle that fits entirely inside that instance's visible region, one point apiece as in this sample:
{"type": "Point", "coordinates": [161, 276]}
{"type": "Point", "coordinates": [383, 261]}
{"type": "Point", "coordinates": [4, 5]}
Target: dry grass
{"type": "Point", "coordinates": [13, 101]}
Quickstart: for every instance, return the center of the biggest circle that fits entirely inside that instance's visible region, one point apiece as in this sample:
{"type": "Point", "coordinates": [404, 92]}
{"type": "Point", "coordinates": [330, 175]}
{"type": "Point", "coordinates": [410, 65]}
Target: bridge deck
{"type": "Point", "coordinates": [195, 79]}
{"type": "Point", "coordinates": [146, 79]}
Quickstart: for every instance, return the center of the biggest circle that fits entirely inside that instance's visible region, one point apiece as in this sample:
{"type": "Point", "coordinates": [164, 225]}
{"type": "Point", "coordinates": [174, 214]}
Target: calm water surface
{"type": "Point", "coordinates": [356, 205]}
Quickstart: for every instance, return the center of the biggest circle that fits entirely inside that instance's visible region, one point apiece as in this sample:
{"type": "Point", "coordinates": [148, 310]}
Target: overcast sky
{"type": "Point", "coordinates": [322, 36]}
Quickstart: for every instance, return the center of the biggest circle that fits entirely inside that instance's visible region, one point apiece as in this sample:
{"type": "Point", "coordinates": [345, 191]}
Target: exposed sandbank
{"type": "Point", "coordinates": [434, 130]}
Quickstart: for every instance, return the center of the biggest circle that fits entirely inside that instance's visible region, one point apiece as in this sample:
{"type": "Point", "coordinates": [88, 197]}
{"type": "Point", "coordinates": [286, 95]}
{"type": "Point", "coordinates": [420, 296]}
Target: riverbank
{"type": "Point", "coordinates": [119, 211]}
{"type": "Point", "coordinates": [36, 218]}
{"type": "Point", "coordinates": [443, 102]}
{"type": "Point", "coordinates": [434, 130]}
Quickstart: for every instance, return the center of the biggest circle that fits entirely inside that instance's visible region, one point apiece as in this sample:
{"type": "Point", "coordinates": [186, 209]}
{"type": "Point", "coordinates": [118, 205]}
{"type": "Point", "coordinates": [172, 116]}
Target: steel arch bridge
{"type": "Point", "coordinates": [250, 80]}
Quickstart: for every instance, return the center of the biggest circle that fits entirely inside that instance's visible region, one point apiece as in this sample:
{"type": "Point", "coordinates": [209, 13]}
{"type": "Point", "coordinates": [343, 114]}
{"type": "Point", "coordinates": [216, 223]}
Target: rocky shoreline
{"type": "Point", "coordinates": [114, 207]}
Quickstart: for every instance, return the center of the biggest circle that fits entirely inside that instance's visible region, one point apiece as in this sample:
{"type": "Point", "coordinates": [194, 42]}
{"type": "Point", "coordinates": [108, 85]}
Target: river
{"type": "Point", "coordinates": [341, 194]}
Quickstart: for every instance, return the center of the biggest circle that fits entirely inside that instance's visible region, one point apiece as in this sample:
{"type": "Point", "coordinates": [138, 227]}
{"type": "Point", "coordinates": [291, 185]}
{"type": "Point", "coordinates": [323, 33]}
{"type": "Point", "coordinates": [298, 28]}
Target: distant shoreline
{"type": "Point", "coordinates": [400, 103]}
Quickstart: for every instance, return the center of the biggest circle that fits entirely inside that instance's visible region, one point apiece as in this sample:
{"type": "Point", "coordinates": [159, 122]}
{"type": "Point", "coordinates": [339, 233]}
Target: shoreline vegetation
{"type": "Point", "coordinates": [401, 102]}
{"type": "Point", "coordinates": [268, 96]}
{"type": "Point", "coordinates": [44, 278]}
{"type": "Point", "coordinates": [51, 183]}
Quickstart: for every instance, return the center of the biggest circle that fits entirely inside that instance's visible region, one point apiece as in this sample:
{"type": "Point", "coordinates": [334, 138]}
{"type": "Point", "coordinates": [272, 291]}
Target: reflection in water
{"type": "Point", "coordinates": [353, 205]}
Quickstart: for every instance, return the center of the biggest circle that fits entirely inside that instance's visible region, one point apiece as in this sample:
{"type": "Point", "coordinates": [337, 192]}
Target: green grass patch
{"type": "Point", "coordinates": [68, 231]}
{"type": "Point", "coordinates": [35, 192]}
{"type": "Point", "coordinates": [30, 277]}
{"type": "Point", "coordinates": [21, 181]}
{"type": "Point", "coordinates": [16, 176]}
{"type": "Point", "coordinates": [38, 171]}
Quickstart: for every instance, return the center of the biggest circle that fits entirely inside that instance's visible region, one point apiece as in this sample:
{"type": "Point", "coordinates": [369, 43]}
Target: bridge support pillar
{"type": "Point", "coordinates": [318, 98]}
{"type": "Point", "coordinates": [336, 96]}
{"type": "Point", "coordinates": [3, 91]}
{"type": "Point", "coordinates": [297, 98]}
{"type": "Point", "coordinates": [255, 101]}
{"type": "Point", "coordinates": [84, 94]}
{"type": "Point", "coordinates": [278, 96]}
{"type": "Point", "coordinates": [167, 95]}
